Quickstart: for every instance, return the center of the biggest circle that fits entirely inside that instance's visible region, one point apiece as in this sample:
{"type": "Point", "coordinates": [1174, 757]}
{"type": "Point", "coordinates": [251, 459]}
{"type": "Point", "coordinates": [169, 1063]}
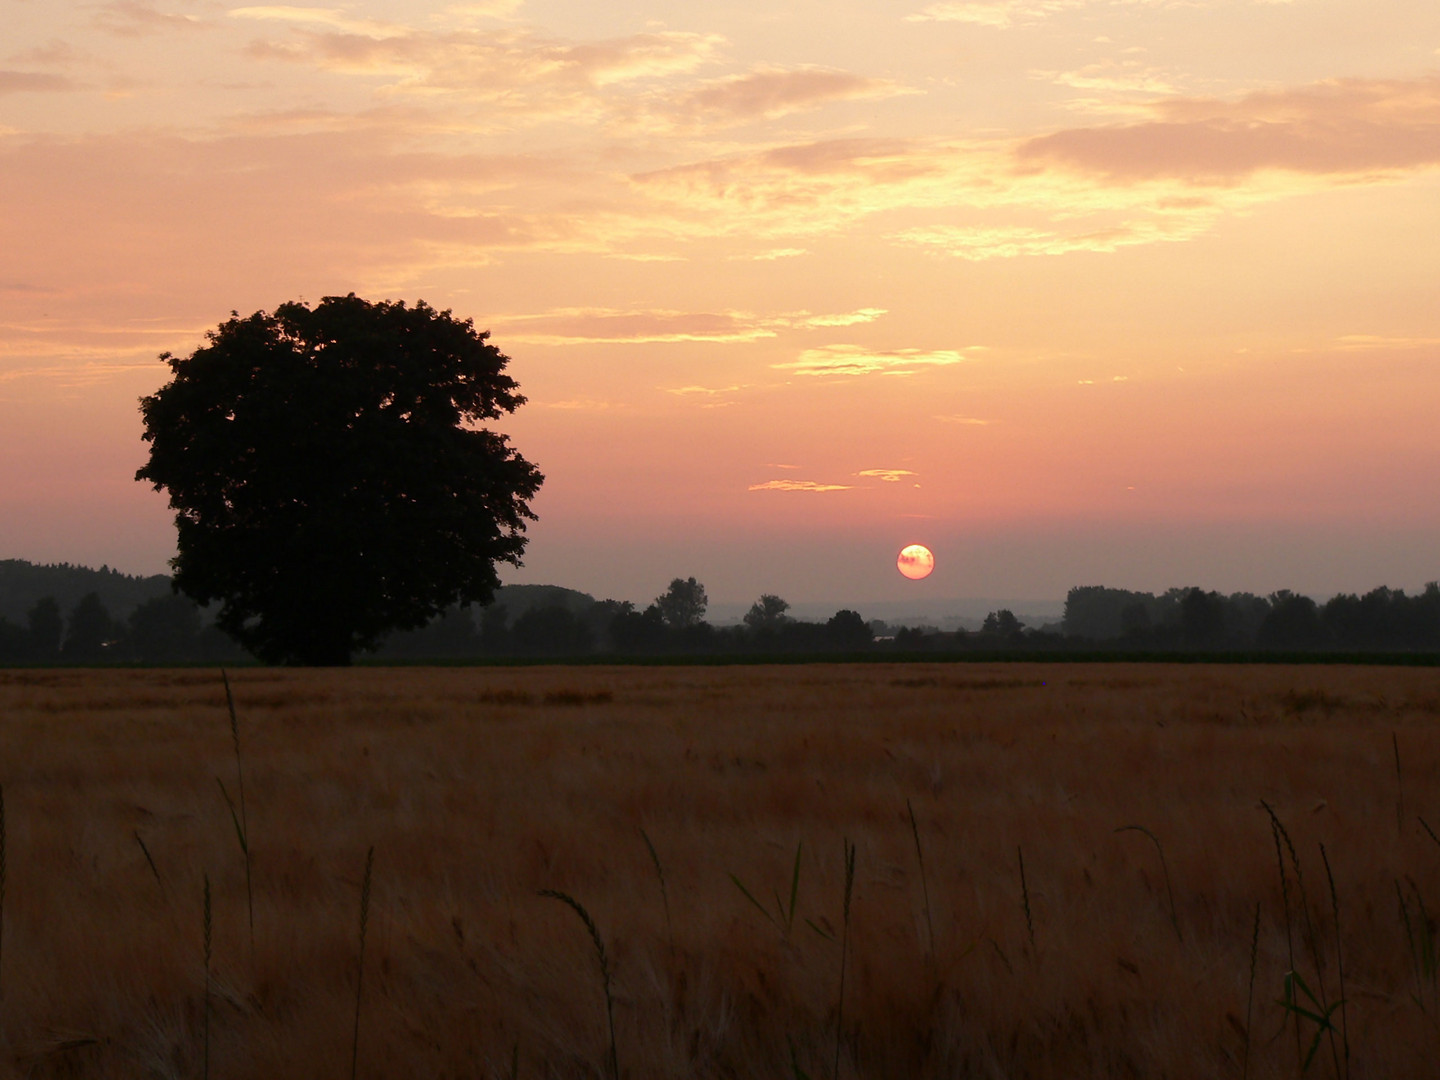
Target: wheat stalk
{"type": "Point", "coordinates": [360, 968]}
{"type": "Point", "coordinates": [664, 894]}
{"type": "Point", "coordinates": [599, 943]}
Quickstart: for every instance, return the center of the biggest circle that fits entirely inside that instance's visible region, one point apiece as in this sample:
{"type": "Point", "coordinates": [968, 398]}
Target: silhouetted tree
{"type": "Point", "coordinates": [683, 604]}
{"type": "Point", "coordinates": [1293, 623]}
{"type": "Point", "coordinates": [88, 630]}
{"type": "Point", "coordinates": [551, 631]}
{"type": "Point", "coordinates": [46, 627]}
{"type": "Point", "coordinates": [638, 631]}
{"type": "Point", "coordinates": [328, 480]}
{"type": "Point", "coordinates": [14, 642]}
{"type": "Point", "coordinates": [767, 613]}
{"type": "Point", "coordinates": [847, 630]}
{"type": "Point", "coordinates": [1002, 623]}
{"type": "Point", "coordinates": [1202, 619]}
{"type": "Point", "coordinates": [165, 628]}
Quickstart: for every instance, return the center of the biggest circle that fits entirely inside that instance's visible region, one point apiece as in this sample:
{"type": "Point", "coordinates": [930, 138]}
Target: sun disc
{"type": "Point", "coordinates": [915, 562]}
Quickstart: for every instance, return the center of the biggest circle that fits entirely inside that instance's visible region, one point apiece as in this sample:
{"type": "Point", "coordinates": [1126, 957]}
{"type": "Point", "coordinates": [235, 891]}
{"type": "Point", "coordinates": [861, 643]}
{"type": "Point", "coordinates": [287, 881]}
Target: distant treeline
{"type": "Point", "coordinates": [72, 614]}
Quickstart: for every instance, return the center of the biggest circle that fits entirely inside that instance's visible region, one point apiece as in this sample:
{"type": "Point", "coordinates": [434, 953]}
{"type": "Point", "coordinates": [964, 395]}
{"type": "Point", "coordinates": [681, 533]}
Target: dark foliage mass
{"type": "Point", "coordinates": [546, 621]}
{"type": "Point", "coordinates": [330, 480]}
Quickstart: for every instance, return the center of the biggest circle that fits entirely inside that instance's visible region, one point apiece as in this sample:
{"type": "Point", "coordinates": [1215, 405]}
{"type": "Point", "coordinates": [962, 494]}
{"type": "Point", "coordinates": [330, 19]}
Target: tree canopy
{"type": "Point", "coordinates": [330, 479]}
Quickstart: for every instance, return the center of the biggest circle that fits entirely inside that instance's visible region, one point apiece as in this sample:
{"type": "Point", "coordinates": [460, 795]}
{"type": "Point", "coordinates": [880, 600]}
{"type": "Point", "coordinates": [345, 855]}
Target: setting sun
{"type": "Point", "coordinates": [915, 562]}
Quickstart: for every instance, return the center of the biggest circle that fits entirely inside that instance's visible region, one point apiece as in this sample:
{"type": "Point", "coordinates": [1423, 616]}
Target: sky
{"type": "Point", "coordinates": [1129, 292]}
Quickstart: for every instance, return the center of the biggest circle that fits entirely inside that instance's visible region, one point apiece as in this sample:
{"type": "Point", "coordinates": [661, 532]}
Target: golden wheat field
{"type": "Point", "coordinates": [480, 788]}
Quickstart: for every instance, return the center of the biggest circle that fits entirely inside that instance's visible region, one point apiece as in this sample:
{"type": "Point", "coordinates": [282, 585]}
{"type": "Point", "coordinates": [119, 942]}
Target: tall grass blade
{"type": "Point", "coordinates": [1250, 995]}
{"type": "Point", "coordinates": [360, 967]}
{"type": "Point", "coordinates": [1313, 940]}
{"type": "Point", "coordinates": [579, 909]}
{"type": "Point", "coordinates": [143, 850]}
{"type": "Point", "coordinates": [1025, 899]}
{"type": "Point", "coordinates": [1339, 958]}
{"type": "Point", "coordinates": [1426, 826]}
{"type": "Point", "coordinates": [924, 884]}
{"type": "Point", "coordinates": [849, 849]}
{"type": "Point", "coordinates": [1275, 831]}
{"type": "Point", "coordinates": [664, 895]}
{"type": "Point", "coordinates": [1165, 869]}
{"type": "Point", "coordinates": [1318, 1014]}
{"type": "Point", "coordinates": [759, 906]}
{"type": "Point", "coordinates": [243, 825]}
{"type": "Point", "coordinates": [1410, 944]}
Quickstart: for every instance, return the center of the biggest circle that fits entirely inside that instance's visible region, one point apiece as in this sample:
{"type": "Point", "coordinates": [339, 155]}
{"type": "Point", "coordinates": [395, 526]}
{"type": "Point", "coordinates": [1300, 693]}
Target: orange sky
{"type": "Point", "coordinates": [1134, 292]}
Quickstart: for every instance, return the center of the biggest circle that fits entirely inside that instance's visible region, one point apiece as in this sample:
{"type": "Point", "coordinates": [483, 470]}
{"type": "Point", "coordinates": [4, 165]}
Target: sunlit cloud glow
{"type": "Point", "coordinates": [850, 360]}
{"type": "Point", "coordinates": [798, 485]}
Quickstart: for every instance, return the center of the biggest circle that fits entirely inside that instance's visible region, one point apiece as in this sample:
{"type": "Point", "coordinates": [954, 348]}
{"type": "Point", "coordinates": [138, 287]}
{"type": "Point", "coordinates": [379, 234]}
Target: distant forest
{"type": "Point", "coordinates": [59, 614]}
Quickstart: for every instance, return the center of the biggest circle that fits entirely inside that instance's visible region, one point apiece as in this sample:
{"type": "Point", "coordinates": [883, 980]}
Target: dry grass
{"type": "Point", "coordinates": [481, 787]}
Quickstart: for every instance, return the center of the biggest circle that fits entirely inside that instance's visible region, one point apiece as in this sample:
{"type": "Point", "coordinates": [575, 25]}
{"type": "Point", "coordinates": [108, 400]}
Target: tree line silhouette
{"type": "Point", "coordinates": [74, 615]}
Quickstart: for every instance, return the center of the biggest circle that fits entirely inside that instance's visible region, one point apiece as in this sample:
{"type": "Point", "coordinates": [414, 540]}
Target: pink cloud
{"type": "Point", "coordinates": [1349, 126]}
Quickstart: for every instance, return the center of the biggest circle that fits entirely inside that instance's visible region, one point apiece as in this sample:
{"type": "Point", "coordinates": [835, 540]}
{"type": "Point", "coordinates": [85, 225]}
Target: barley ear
{"type": "Point", "coordinates": [603, 957]}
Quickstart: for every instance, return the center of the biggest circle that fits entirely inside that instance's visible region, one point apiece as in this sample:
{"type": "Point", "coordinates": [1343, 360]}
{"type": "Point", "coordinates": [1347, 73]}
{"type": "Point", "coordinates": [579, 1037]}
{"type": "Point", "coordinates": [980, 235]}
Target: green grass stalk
{"type": "Point", "coordinates": [603, 957]}
{"type": "Point", "coordinates": [360, 966]}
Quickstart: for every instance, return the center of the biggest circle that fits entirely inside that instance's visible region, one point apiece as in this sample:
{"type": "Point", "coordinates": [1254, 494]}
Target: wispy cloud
{"type": "Point", "coordinates": [1337, 127]}
{"type": "Point", "coordinates": [797, 485]}
{"type": "Point", "coordinates": [770, 93]}
{"type": "Point", "coordinates": [996, 13]}
{"type": "Point", "coordinates": [133, 18]}
{"type": "Point", "coordinates": [25, 82]}
{"type": "Point", "coordinates": [703, 391]}
{"type": "Point", "coordinates": [889, 476]}
{"type": "Point", "coordinates": [832, 360]}
{"type": "Point", "coordinates": [516, 69]}
{"type": "Point", "coordinates": [1369, 342]}
{"type": "Point", "coordinates": [966, 421]}
{"type": "Point", "coordinates": [1008, 242]}
{"type": "Point", "coordinates": [336, 18]}
{"type": "Point", "coordinates": [576, 326]}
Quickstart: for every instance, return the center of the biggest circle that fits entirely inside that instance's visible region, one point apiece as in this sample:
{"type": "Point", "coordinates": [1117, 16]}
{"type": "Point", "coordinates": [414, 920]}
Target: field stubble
{"type": "Point", "coordinates": [479, 788]}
